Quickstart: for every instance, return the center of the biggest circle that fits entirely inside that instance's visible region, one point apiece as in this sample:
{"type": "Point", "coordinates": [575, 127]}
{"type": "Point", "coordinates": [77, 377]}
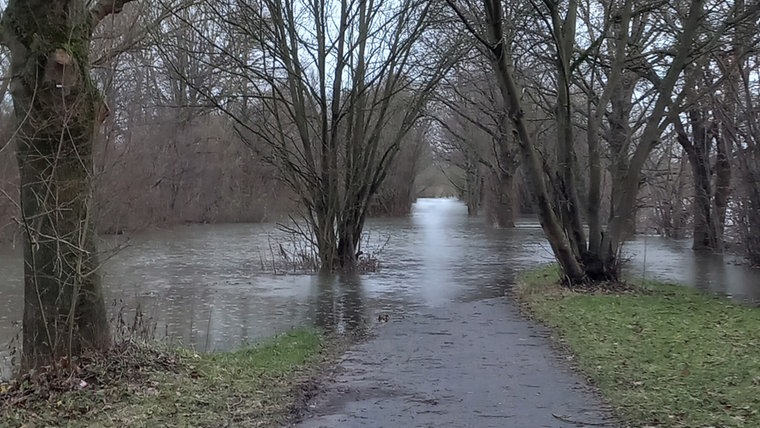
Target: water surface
{"type": "Point", "coordinates": [213, 286]}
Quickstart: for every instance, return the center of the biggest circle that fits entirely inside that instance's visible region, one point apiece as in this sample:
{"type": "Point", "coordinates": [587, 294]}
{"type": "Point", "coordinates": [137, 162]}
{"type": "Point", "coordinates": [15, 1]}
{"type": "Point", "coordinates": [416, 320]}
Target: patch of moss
{"type": "Point", "coordinates": [665, 356]}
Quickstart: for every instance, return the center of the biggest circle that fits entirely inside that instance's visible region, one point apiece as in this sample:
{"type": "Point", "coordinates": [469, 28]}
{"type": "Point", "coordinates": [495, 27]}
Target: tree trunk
{"type": "Point", "coordinates": [558, 240]}
{"type": "Point", "coordinates": [56, 107]}
{"type": "Point", "coordinates": [594, 197]}
{"type": "Point", "coordinates": [504, 208]}
{"type": "Point", "coordinates": [698, 149]}
{"type": "Point", "coordinates": [501, 209]}
{"type": "Point", "coordinates": [349, 235]}
{"type": "Point", "coordinates": [569, 206]}
{"type": "Point", "coordinates": [597, 108]}
{"type": "Point", "coordinates": [724, 142]}
{"type": "Point", "coordinates": [325, 237]}
{"type": "Point", "coordinates": [472, 189]}
{"type": "Point", "coordinates": [704, 231]}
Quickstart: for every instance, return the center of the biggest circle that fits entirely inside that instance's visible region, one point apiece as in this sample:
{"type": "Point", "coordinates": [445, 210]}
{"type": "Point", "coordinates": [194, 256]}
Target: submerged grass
{"type": "Point", "coordinates": [662, 355]}
{"type": "Point", "coordinates": [141, 385]}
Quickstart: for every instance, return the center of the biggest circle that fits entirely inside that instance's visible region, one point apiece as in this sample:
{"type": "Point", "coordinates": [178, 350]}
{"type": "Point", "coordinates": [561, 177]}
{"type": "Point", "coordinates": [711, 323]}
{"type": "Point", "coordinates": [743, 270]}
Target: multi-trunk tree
{"type": "Point", "coordinates": [741, 97]}
{"type": "Point", "coordinates": [629, 62]}
{"type": "Point", "coordinates": [477, 137]}
{"type": "Point", "coordinates": [56, 111]}
{"type": "Point", "coordinates": [330, 90]}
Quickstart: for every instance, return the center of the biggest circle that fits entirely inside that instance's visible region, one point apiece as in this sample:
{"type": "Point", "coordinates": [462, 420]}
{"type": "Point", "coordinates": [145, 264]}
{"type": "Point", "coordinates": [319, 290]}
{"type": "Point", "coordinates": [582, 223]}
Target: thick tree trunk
{"type": "Point", "coordinates": [326, 239]}
{"type": "Point", "coordinates": [56, 108]}
{"type": "Point", "coordinates": [722, 181]}
{"type": "Point", "coordinates": [349, 236]}
{"type": "Point", "coordinates": [698, 149]}
{"type": "Point", "coordinates": [506, 206]}
{"type": "Point", "coordinates": [566, 191]}
{"type": "Point", "coordinates": [673, 211]}
{"type": "Point", "coordinates": [594, 197]}
{"type": "Point", "coordinates": [704, 224]}
{"type": "Point", "coordinates": [558, 240]}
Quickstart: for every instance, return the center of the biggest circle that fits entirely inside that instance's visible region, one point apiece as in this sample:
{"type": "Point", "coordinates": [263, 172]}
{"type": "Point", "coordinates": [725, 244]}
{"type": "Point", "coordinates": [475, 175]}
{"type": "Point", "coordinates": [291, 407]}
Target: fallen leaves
{"type": "Point", "coordinates": [141, 384]}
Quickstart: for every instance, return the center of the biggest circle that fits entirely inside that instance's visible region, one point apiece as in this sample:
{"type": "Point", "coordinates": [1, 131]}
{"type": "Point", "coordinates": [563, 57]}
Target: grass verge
{"type": "Point", "coordinates": [662, 355]}
{"type": "Point", "coordinates": [141, 385]}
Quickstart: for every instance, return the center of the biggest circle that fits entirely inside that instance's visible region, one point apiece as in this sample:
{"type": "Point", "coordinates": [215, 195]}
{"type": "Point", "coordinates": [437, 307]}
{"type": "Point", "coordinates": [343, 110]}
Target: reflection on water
{"type": "Point", "coordinates": [339, 302]}
{"type": "Point", "coordinates": [674, 261]}
{"type": "Point", "coordinates": [207, 285]}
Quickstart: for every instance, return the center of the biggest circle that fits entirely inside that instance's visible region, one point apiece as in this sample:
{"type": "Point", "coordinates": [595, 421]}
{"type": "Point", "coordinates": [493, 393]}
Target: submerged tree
{"type": "Point", "coordinates": [741, 98]}
{"type": "Point", "coordinates": [331, 88]}
{"type": "Point", "coordinates": [57, 109]}
{"type": "Point", "coordinates": [478, 140]}
{"type": "Point", "coordinates": [619, 52]}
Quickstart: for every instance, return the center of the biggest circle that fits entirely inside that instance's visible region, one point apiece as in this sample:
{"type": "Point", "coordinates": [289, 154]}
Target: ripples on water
{"type": "Point", "coordinates": [205, 285]}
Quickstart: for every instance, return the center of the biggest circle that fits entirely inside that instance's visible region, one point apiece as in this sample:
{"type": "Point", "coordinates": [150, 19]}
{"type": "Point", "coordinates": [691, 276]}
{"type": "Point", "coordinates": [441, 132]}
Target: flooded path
{"type": "Point", "coordinates": [470, 364]}
{"type": "Point", "coordinates": [213, 286]}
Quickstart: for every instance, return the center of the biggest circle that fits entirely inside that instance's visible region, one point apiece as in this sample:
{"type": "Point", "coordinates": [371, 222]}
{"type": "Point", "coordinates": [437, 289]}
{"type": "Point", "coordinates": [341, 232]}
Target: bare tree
{"type": "Point", "coordinates": [615, 46]}
{"type": "Point", "coordinates": [741, 96]}
{"type": "Point", "coordinates": [461, 146]}
{"type": "Point", "coordinates": [704, 118]}
{"type": "Point", "coordinates": [398, 192]}
{"type": "Point", "coordinates": [475, 121]}
{"type": "Point", "coordinates": [665, 190]}
{"type": "Point", "coordinates": [57, 109]}
{"type": "Point", "coordinates": [165, 150]}
{"type": "Point", "coordinates": [332, 88]}
{"type": "Point", "coordinates": [702, 140]}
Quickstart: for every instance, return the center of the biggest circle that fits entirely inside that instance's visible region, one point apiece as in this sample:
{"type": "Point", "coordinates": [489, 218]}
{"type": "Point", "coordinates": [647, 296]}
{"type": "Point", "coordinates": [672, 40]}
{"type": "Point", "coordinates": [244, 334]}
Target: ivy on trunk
{"type": "Point", "coordinates": [57, 109]}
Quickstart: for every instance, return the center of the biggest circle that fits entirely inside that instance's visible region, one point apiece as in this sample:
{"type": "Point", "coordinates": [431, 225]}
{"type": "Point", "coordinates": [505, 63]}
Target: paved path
{"type": "Point", "coordinates": [478, 364]}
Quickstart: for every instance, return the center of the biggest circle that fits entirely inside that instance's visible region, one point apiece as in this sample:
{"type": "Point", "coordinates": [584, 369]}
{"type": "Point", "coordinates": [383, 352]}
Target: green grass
{"type": "Point", "coordinates": [662, 355]}
{"type": "Point", "coordinates": [251, 387]}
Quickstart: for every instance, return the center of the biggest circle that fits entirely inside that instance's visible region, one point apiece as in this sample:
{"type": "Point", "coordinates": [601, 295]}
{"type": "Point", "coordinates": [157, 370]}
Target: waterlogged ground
{"type": "Point", "coordinates": [454, 350]}
{"type": "Point", "coordinates": [214, 287]}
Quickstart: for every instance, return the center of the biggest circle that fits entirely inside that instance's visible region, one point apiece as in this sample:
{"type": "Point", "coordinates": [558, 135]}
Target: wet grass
{"type": "Point", "coordinates": [662, 355]}
{"type": "Point", "coordinates": [141, 385]}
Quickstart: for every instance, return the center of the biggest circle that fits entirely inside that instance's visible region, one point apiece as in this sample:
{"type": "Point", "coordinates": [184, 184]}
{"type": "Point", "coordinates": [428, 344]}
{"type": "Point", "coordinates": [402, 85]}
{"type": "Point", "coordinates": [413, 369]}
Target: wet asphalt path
{"type": "Point", "coordinates": [475, 364]}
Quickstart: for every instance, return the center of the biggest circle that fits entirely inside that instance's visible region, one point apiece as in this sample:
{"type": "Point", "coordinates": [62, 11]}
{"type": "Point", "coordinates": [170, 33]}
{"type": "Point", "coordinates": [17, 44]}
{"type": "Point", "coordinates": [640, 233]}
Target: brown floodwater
{"type": "Point", "coordinates": [214, 287]}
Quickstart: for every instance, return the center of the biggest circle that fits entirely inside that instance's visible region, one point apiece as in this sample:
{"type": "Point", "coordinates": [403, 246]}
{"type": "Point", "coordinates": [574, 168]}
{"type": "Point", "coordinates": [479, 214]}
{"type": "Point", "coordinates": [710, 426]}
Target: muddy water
{"type": "Point", "coordinates": [214, 286]}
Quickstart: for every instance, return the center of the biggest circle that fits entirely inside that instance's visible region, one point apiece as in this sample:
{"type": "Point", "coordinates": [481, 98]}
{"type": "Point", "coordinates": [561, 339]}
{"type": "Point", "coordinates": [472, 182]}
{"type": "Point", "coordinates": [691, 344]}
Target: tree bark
{"type": "Point", "coordinates": [56, 109]}
{"type": "Point", "coordinates": [567, 164]}
{"type": "Point", "coordinates": [619, 139]}
{"type": "Point", "coordinates": [501, 208]}
{"type": "Point", "coordinates": [596, 113]}
{"type": "Point", "coordinates": [558, 240]}
{"type": "Point", "coordinates": [722, 183]}
{"type": "Point", "coordinates": [698, 149]}
{"type": "Point", "coordinates": [651, 133]}
{"type": "Point", "coordinates": [471, 189]}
